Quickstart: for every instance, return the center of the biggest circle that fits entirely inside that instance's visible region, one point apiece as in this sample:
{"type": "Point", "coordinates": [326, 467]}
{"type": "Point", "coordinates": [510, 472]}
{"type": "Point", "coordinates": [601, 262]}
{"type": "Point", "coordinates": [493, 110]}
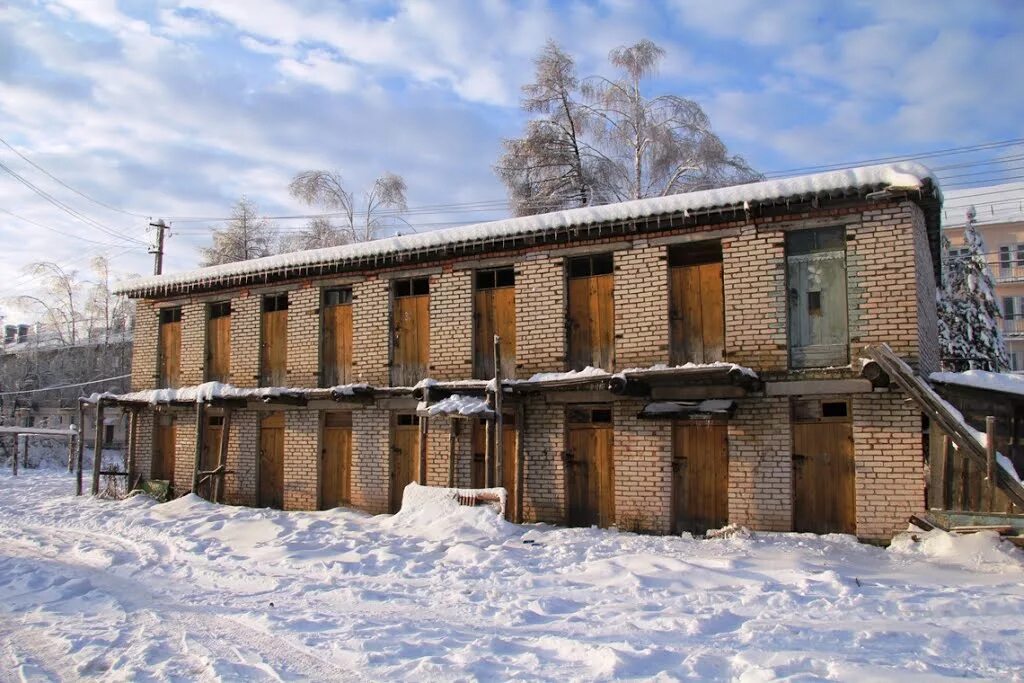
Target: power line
{"type": "Point", "coordinates": [64, 386]}
{"type": "Point", "coordinates": [59, 232]}
{"type": "Point", "coordinates": [63, 184]}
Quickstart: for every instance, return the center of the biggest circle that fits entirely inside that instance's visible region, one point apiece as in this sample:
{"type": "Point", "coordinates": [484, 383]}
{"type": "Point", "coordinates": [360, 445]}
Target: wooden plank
{"type": "Point", "coordinates": [335, 487]}
{"type": "Point", "coordinates": [274, 349]}
{"type": "Point", "coordinates": [935, 408]}
{"type": "Point", "coordinates": [578, 324]}
{"type": "Point", "coordinates": [700, 489]}
{"type": "Point", "coordinates": [337, 345]}
{"type": "Point", "coordinates": [411, 341]}
{"type": "Point", "coordinates": [97, 448]}
{"type": "Point", "coordinates": [271, 463]}
{"type": "Point", "coordinates": [712, 300]}
{"type": "Point", "coordinates": [133, 426]}
{"type": "Point", "coordinates": [499, 430]}
{"type": "Point", "coordinates": [602, 307]}
{"type": "Point", "coordinates": [197, 463]}
{"type": "Point", "coordinates": [169, 355]}
{"type": "Point", "coordinates": [504, 309]}
{"type": "Point", "coordinates": [692, 342]}
{"type": "Point", "coordinates": [80, 455]}
{"type": "Point", "coordinates": [222, 456]}
{"type": "Point", "coordinates": [403, 469]}
{"type": "Point", "coordinates": [520, 461]}
{"type": "Point", "coordinates": [453, 440]}
{"type": "Point", "coordinates": [603, 446]}
{"type": "Point", "coordinates": [990, 462]}
{"type": "Point", "coordinates": [218, 349]}
{"type": "Point", "coordinates": [812, 387]}
{"type": "Point", "coordinates": [577, 474]}
{"type": "Point", "coordinates": [421, 447]}
{"type": "Point", "coordinates": [823, 478]}
{"type": "Point", "coordinates": [483, 333]}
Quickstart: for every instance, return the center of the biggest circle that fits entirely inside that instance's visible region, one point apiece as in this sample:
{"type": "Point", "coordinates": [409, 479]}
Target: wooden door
{"type": "Point", "coordinates": [274, 356]}
{"type": "Point", "coordinates": [508, 456]}
{"type": "Point", "coordinates": [210, 454]}
{"type": "Point", "coordinates": [824, 499]}
{"type": "Point", "coordinates": [169, 353]}
{"type": "Point", "coordinates": [817, 303]}
{"type": "Point", "coordinates": [405, 437]}
{"type": "Point", "coordinates": [700, 477]}
{"type": "Point", "coordinates": [338, 344]}
{"type": "Point", "coordinates": [163, 449]}
{"type": "Point", "coordinates": [591, 322]}
{"type": "Point", "coordinates": [697, 314]}
{"type": "Point", "coordinates": [589, 474]}
{"type": "Point", "coordinates": [218, 347]}
{"type": "Point", "coordinates": [411, 339]}
{"type": "Point", "coordinates": [271, 464]}
{"type": "Point", "coordinates": [335, 474]}
{"type": "Point", "coordinates": [494, 313]}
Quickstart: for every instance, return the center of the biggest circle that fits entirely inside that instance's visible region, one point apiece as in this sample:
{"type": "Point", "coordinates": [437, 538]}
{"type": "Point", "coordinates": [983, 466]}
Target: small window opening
{"type": "Point", "coordinates": [834, 409]}
{"type": "Point", "coordinates": [695, 253]}
{"type": "Point", "coordinates": [498, 277]}
{"type": "Point", "coordinates": [338, 296]}
{"type": "Point", "coordinates": [814, 303]}
{"type": "Point", "coordinates": [275, 302]}
{"type": "Point", "coordinates": [170, 315]}
{"type": "Point", "coordinates": [586, 266]}
{"type": "Point", "coordinates": [407, 420]}
{"type": "Point", "coordinates": [411, 287]}
{"type": "Point", "coordinates": [216, 420]}
{"type": "Point", "coordinates": [221, 309]}
{"type": "Point", "coordinates": [603, 416]}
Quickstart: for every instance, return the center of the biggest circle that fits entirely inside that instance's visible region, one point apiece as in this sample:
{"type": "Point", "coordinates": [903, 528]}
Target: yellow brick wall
{"type": "Point", "coordinates": [144, 346]}
{"type": "Point", "coordinates": [371, 335]}
{"type": "Point", "coordinates": [754, 273]}
{"type": "Point", "coordinates": [544, 469]}
{"type": "Point", "coordinates": [303, 366]}
{"type": "Point", "coordinates": [371, 459]}
{"type": "Point", "coordinates": [760, 465]}
{"type": "Point", "coordinates": [641, 307]}
{"type": "Point", "coordinates": [243, 451]}
{"type": "Point", "coordinates": [451, 325]}
{"type": "Point", "coordinates": [643, 470]}
{"type": "Point", "coordinates": [301, 459]}
{"type": "Point", "coordinates": [245, 339]}
{"type": "Point", "coordinates": [540, 316]}
{"type": "Point", "coordinates": [193, 343]}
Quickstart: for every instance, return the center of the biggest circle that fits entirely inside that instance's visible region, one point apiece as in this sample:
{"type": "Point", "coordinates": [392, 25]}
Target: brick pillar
{"type": "Point", "coordinates": [760, 465]}
{"type": "Point", "coordinates": [144, 444]}
{"type": "Point", "coordinates": [544, 472]}
{"type": "Point", "coordinates": [371, 459]}
{"type": "Point", "coordinates": [889, 457]}
{"type": "Point", "coordinates": [184, 450]}
{"type": "Point", "coordinates": [641, 307]}
{"type": "Point", "coordinates": [643, 470]}
{"type": "Point", "coordinates": [243, 451]}
{"type": "Point", "coordinates": [451, 325]}
{"type": "Point", "coordinates": [301, 459]}
{"type": "Point", "coordinates": [371, 336]}
{"type": "Point", "coordinates": [193, 344]}
{"type": "Point", "coordinates": [540, 316]}
{"type": "Point", "coordinates": [304, 337]}
{"type": "Point", "coordinates": [144, 347]}
{"type": "Point", "coordinates": [754, 270]}
{"type": "Point", "coordinates": [245, 339]}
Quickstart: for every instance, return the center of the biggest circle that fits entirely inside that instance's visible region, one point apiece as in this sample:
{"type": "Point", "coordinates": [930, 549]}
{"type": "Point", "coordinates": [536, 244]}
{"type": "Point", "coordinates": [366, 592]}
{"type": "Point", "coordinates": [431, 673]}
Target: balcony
{"type": "Point", "coordinates": [1008, 273]}
{"type": "Point", "coordinates": [1013, 327]}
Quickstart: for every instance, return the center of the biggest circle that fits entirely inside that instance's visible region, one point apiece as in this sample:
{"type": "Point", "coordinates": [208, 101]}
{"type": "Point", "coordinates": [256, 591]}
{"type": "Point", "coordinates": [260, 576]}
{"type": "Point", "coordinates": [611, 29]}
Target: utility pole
{"type": "Point", "coordinates": [158, 251]}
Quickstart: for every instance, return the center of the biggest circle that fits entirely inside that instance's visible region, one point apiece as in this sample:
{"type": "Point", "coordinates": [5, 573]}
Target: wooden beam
{"type": "Point", "coordinates": [813, 387]}
{"type": "Point", "coordinates": [499, 419]}
{"type": "Point", "coordinates": [488, 453]}
{"type": "Point", "coordinates": [520, 463]}
{"type": "Point", "coordinates": [97, 448]}
{"type": "Point", "coordinates": [990, 462]}
{"type": "Point", "coordinates": [696, 393]}
{"type": "Point", "coordinates": [947, 472]}
{"type": "Point", "coordinates": [421, 466]}
{"type": "Point", "coordinates": [14, 462]}
{"type": "Point", "coordinates": [453, 441]}
{"type": "Point", "coordinates": [71, 453]}
{"type": "Point", "coordinates": [81, 448]}
{"type": "Point", "coordinates": [222, 456]}
{"type": "Point", "coordinates": [133, 426]}
{"type": "Point", "coordinates": [936, 409]}
{"type": "Point", "coordinates": [200, 415]}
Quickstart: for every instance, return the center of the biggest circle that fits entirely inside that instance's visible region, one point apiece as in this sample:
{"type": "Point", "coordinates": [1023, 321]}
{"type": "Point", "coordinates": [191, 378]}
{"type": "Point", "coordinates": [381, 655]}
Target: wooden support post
{"type": "Point", "coordinates": [520, 462]}
{"type": "Point", "coordinates": [488, 453]}
{"type": "Point", "coordinates": [24, 452]}
{"type": "Point", "coordinates": [81, 448]}
{"type": "Point", "coordinates": [453, 441]}
{"type": "Point", "coordinates": [947, 472]}
{"type": "Point", "coordinates": [499, 421]}
{"type": "Point", "coordinates": [97, 448]}
{"type": "Point", "coordinates": [14, 461]}
{"type": "Point", "coordinates": [200, 415]}
{"type": "Point", "coordinates": [222, 457]}
{"type": "Point", "coordinates": [421, 460]}
{"type": "Point", "coordinates": [133, 426]}
{"type": "Point", "coordinates": [71, 449]}
{"type": "Point", "coordinates": [991, 466]}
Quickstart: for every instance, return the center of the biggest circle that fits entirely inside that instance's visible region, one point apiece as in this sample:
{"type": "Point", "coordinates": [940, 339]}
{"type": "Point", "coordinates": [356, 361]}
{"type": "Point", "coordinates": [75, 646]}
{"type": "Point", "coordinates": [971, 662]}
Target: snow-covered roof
{"type": "Point", "coordinates": [992, 204]}
{"type": "Point", "coordinates": [904, 176]}
{"type": "Point", "coordinates": [1002, 382]}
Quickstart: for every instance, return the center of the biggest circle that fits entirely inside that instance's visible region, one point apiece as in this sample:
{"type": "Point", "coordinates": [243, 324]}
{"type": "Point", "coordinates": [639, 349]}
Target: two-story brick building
{"type": "Point", "coordinates": [725, 327]}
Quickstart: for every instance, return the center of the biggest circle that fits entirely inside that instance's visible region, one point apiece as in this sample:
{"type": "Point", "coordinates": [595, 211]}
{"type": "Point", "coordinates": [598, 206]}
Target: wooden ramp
{"type": "Point", "coordinates": [940, 412]}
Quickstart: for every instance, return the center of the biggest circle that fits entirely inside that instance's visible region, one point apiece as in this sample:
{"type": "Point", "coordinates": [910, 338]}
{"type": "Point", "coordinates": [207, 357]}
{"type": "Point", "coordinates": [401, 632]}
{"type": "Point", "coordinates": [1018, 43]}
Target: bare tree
{"type": "Point", "coordinates": [108, 314]}
{"type": "Point", "coordinates": [381, 206]}
{"type": "Point", "coordinates": [319, 233]}
{"type": "Point", "coordinates": [57, 303]}
{"type": "Point", "coordinates": [602, 140]}
{"type": "Point", "coordinates": [246, 236]}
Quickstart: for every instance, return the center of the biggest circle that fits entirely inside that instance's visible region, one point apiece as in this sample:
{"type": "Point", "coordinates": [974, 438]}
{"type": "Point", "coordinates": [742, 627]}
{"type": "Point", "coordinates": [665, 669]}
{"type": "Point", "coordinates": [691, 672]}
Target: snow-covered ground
{"type": "Point", "coordinates": [188, 590]}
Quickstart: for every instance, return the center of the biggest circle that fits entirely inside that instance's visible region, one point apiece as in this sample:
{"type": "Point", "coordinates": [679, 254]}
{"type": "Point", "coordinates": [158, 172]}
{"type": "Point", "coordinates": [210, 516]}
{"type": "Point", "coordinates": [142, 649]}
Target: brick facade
{"type": "Point", "coordinates": [371, 331]}
{"type": "Point", "coordinates": [543, 432]}
{"type": "Point", "coordinates": [641, 307]}
{"type": "Point", "coordinates": [371, 459]}
{"type": "Point", "coordinates": [245, 339]}
{"type": "Point", "coordinates": [643, 470]}
{"type": "Point", "coordinates": [301, 459]}
{"type": "Point", "coordinates": [243, 451]}
{"type": "Point", "coordinates": [144, 346]}
{"type": "Point", "coordinates": [754, 270]}
{"type": "Point", "coordinates": [451, 324]}
{"type": "Point", "coordinates": [760, 465]}
{"type": "Point", "coordinates": [540, 316]}
{"type": "Point", "coordinates": [184, 449]}
{"type": "Point", "coordinates": [193, 344]}
{"type": "Point", "coordinates": [303, 366]}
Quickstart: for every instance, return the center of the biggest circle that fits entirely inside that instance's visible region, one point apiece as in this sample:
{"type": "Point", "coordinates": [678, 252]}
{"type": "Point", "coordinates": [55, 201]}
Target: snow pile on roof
{"type": "Point", "coordinates": [711, 405]}
{"type": "Point", "coordinates": [209, 391]}
{"type": "Point", "coordinates": [902, 176]}
{"type": "Point", "coordinates": [993, 204]}
{"type": "Point", "coordinates": [660, 367]}
{"type": "Point", "coordinates": [457, 404]}
{"type": "Point", "coordinates": [435, 513]}
{"type": "Point", "coordinates": [980, 379]}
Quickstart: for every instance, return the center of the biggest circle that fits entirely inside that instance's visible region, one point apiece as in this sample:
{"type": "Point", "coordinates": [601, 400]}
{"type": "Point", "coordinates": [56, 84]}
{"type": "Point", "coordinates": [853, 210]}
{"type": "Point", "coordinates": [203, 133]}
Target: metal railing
{"type": "Point", "coordinates": [1013, 326]}
{"type": "Point", "coordinates": [1008, 273]}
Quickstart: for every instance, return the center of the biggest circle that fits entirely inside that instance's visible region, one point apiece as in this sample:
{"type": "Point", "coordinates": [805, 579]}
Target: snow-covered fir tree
{"type": "Point", "coordinates": [969, 334]}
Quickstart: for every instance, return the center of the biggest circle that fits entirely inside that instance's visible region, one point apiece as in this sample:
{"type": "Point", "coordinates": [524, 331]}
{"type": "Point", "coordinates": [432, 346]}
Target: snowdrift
{"type": "Point", "coordinates": [435, 513]}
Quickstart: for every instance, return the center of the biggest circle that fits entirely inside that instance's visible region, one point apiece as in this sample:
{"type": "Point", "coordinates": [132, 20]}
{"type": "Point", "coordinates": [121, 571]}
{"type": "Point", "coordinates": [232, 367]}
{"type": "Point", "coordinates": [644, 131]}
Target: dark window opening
{"type": "Point", "coordinates": [216, 420]}
{"type": "Point", "coordinates": [411, 287]}
{"type": "Point", "coordinates": [813, 241]}
{"type": "Point", "coordinates": [338, 296]}
{"type": "Point", "coordinates": [170, 315]}
{"type": "Point", "coordinates": [275, 302]}
{"type": "Point", "coordinates": [695, 254]}
{"type": "Point", "coordinates": [585, 415]}
{"type": "Point", "coordinates": [108, 433]}
{"type": "Point", "coordinates": [602, 416]}
{"type": "Point", "coordinates": [221, 309]}
{"type": "Point", "coordinates": [834, 409]}
{"type": "Point", "coordinates": [499, 277]}
{"type": "Point", "coordinates": [814, 303]}
{"type": "Point", "coordinates": [407, 420]}
{"type": "Point", "coordinates": [586, 266]}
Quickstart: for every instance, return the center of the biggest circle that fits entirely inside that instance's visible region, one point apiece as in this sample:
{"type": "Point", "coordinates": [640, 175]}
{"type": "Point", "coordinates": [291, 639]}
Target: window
{"type": "Point", "coordinates": [169, 348]}
{"type": "Point", "coordinates": [1005, 262]}
{"type": "Point", "coordinates": [412, 287]}
{"type": "Point", "coordinates": [406, 420]}
{"type": "Point", "coordinates": [590, 324]}
{"type": "Point", "coordinates": [494, 313]}
{"type": "Point", "coordinates": [410, 334]}
{"type": "Point", "coordinates": [696, 305]}
{"type": "Point", "coordinates": [218, 342]}
{"type": "Point", "coordinates": [273, 303]}
{"type": "Point", "coordinates": [336, 337]}
{"type": "Point", "coordinates": [1015, 361]}
{"type": "Point", "coordinates": [816, 282]}
{"type": "Point", "coordinates": [108, 434]}
{"type": "Point", "coordinates": [818, 410]}
{"type": "Point", "coordinates": [274, 341]}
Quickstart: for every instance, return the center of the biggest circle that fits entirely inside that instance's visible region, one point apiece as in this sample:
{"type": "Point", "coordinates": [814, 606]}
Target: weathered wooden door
{"type": "Point", "coordinates": [816, 278]}
{"type": "Point", "coordinates": [508, 457]}
{"type": "Point", "coordinates": [337, 337]}
{"type": "Point", "coordinates": [700, 477]}
{"type": "Point", "coordinates": [274, 356]}
{"type": "Point", "coordinates": [411, 336]}
{"type": "Point", "coordinates": [169, 351]}
{"type": "Point", "coordinates": [163, 449]}
{"type": "Point", "coordinates": [591, 314]}
{"type": "Point", "coordinates": [218, 343]}
{"type": "Point", "coordinates": [494, 313]}
{"type": "Point", "coordinates": [824, 499]}
{"type": "Point", "coordinates": [697, 312]}
{"type": "Point", "coordinates": [271, 465]}
{"type": "Point", "coordinates": [210, 454]}
{"type": "Point", "coordinates": [589, 473]}
{"type": "Point", "coordinates": [336, 468]}
{"type": "Point", "coordinates": [405, 437]}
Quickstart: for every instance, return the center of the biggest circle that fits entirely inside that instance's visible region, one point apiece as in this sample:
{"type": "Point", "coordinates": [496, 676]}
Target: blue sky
{"type": "Point", "coordinates": [178, 108]}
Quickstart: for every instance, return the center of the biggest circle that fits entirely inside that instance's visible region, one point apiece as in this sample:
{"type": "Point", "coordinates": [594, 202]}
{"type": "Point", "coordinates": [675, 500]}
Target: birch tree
{"type": "Point", "coordinates": [601, 140]}
{"type": "Point", "coordinates": [357, 219]}
{"type": "Point", "coordinates": [247, 235]}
